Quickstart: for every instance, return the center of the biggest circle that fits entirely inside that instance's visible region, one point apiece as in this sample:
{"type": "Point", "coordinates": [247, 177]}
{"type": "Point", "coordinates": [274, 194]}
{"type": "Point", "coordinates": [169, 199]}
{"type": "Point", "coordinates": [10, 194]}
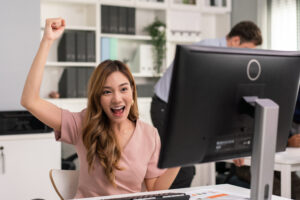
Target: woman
{"type": "Point", "coordinates": [117, 152]}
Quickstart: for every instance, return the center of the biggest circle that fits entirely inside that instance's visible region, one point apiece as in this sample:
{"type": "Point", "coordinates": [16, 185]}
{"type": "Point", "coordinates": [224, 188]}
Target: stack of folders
{"type": "Point", "coordinates": [73, 82]}
{"type": "Point", "coordinates": [143, 61]}
{"type": "Point", "coordinates": [116, 19]}
{"type": "Point", "coordinates": [77, 46]}
{"type": "Point", "coordinates": [109, 48]}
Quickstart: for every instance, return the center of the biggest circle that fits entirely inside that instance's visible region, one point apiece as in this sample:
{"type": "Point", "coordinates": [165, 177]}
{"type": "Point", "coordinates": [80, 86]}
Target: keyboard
{"type": "Point", "coordinates": [163, 196]}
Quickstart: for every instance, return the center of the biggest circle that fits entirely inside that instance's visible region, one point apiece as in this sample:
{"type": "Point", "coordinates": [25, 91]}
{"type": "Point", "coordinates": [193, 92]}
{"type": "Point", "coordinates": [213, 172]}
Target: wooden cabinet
{"type": "Point", "coordinates": [25, 161]}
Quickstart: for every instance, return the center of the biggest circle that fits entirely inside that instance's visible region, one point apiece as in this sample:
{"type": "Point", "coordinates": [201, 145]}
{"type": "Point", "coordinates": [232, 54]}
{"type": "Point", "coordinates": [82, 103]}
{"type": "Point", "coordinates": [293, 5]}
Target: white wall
{"type": "Point", "coordinates": [19, 39]}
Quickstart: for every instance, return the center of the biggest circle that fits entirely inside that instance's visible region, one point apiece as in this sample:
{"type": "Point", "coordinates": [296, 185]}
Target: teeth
{"type": "Point", "coordinates": [119, 107]}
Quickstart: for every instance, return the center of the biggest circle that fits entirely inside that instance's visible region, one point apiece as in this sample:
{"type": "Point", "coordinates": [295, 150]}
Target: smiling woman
{"type": "Point", "coordinates": [111, 142]}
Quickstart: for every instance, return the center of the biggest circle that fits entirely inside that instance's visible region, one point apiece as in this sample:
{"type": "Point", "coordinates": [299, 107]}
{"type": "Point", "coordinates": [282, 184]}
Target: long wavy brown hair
{"type": "Point", "coordinates": [98, 138]}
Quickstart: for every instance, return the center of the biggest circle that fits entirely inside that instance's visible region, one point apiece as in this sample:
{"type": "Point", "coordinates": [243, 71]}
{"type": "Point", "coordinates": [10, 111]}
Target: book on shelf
{"type": "Point", "coordinates": [143, 60]}
{"type": "Point", "coordinates": [66, 47]}
{"type": "Point", "coordinates": [80, 46]}
{"type": "Point", "coordinates": [104, 19]}
{"type": "Point", "coordinates": [113, 49]}
{"type": "Point", "coordinates": [81, 82]}
{"type": "Point", "coordinates": [130, 21]}
{"type": "Point", "coordinates": [90, 46]}
{"type": "Point", "coordinates": [105, 48]}
{"type": "Point", "coordinates": [67, 83]}
{"type": "Point", "coordinates": [83, 76]}
{"type": "Point", "coordinates": [73, 82]}
{"type": "Point", "coordinates": [109, 48]}
{"type": "Point", "coordinates": [77, 46]}
{"type": "Point", "coordinates": [122, 20]}
{"type": "Point", "coordinates": [113, 19]}
{"type": "Point", "coordinates": [116, 19]}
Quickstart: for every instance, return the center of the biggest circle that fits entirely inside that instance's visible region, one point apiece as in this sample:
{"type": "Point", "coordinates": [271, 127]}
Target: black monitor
{"type": "Point", "coordinates": [206, 117]}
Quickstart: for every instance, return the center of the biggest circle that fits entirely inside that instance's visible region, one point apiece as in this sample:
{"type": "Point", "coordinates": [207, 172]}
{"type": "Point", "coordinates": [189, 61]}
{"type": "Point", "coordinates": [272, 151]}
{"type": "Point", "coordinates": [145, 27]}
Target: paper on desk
{"type": "Point", "coordinates": [203, 194]}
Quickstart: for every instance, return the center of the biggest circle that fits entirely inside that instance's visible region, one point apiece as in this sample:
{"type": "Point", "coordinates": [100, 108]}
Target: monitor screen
{"type": "Point", "coordinates": [206, 120]}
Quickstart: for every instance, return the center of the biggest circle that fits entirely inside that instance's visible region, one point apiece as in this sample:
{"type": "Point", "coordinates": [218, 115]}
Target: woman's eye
{"type": "Point", "coordinates": [106, 92]}
{"type": "Point", "coordinates": [124, 89]}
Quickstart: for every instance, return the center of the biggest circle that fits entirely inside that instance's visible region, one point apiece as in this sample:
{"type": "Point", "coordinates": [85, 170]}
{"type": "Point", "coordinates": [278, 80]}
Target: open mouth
{"type": "Point", "coordinates": [118, 111]}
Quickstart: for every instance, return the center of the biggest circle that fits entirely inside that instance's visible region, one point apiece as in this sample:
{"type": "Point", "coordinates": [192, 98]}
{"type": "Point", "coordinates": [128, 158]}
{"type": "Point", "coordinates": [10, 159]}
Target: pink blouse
{"type": "Point", "coordinates": [139, 159]}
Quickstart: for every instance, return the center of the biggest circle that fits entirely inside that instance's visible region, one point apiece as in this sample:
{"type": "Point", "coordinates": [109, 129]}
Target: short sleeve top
{"type": "Point", "coordinates": [139, 159]}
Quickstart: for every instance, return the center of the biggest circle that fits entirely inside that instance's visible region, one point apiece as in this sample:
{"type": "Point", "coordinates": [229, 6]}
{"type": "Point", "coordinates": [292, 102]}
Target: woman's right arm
{"type": "Point", "coordinates": [45, 111]}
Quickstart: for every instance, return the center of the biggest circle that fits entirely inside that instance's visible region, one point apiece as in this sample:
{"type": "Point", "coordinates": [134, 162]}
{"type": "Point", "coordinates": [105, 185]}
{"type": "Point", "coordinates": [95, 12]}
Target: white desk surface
{"type": "Point", "coordinates": [291, 156]}
{"type": "Point", "coordinates": [223, 187]}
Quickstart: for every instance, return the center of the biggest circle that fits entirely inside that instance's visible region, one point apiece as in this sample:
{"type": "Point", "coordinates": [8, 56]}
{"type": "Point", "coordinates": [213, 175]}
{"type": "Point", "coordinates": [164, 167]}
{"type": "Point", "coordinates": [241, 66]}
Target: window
{"type": "Point", "coordinates": [283, 18]}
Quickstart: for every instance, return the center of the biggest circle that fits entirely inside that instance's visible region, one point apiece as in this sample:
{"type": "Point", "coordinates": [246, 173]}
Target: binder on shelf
{"type": "Point", "coordinates": [81, 81]}
{"type": "Point", "coordinates": [113, 19]}
{"type": "Point", "coordinates": [90, 46]}
{"type": "Point", "coordinates": [105, 19]}
{"type": "Point", "coordinates": [130, 21]}
{"type": "Point", "coordinates": [105, 48]}
{"type": "Point", "coordinates": [67, 83]}
{"type": "Point", "coordinates": [143, 60]}
{"type": "Point", "coordinates": [80, 46]}
{"type": "Point", "coordinates": [66, 47]}
{"type": "Point", "coordinates": [122, 20]}
{"type": "Point", "coordinates": [83, 77]}
{"type": "Point", "coordinates": [113, 49]}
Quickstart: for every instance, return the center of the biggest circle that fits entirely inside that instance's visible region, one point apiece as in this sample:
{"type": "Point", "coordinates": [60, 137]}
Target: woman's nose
{"type": "Point", "coordinates": [116, 97]}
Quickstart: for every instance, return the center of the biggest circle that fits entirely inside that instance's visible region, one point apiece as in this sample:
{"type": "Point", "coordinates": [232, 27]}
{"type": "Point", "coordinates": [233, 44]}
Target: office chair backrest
{"type": "Point", "coordinates": [64, 182]}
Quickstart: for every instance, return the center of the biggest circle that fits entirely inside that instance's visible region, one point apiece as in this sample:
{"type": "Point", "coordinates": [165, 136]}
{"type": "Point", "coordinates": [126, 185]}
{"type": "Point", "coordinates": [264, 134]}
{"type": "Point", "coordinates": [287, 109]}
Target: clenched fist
{"type": "Point", "coordinates": [54, 28]}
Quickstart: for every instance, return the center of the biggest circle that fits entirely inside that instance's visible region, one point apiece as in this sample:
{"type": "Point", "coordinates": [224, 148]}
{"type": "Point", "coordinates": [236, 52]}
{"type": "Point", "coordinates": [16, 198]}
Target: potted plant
{"type": "Point", "coordinates": [157, 31]}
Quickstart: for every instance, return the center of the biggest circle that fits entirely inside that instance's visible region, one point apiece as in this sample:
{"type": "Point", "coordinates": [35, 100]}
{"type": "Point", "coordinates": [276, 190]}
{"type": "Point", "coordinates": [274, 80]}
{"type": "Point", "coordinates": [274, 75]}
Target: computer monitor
{"type": "Point", "coordinates": [207, 118]}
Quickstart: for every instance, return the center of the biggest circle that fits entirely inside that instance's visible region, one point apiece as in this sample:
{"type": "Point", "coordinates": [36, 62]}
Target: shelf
{"type": "Point", "coordinates": [126, 37]}
{"type": "Point", "coordinates": [151, 5]}
{"type": "Point", "coordinates": [182, 6]}
{"type": "Point", "coordinates": [125, 3]}
{"type": "Point", "coordinates": [78, 28]}
{"type": "Point", "coordinates": [71, 64]}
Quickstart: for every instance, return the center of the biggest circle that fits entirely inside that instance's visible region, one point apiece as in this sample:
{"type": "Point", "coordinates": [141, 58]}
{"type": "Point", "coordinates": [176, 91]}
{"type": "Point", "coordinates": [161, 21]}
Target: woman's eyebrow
{"type": "Point", "coordinates": [123, 84]}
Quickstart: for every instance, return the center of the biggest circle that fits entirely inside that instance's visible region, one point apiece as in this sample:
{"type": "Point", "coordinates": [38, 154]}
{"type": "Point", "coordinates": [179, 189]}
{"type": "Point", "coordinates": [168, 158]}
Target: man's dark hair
{"type": "Point", "coordinates": [247, 31]}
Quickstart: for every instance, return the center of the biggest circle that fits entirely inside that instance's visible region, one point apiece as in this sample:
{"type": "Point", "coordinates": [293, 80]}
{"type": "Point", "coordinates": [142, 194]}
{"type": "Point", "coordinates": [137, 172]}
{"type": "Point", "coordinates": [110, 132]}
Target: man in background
{"type": "Point", "coordinates": [243, 35]}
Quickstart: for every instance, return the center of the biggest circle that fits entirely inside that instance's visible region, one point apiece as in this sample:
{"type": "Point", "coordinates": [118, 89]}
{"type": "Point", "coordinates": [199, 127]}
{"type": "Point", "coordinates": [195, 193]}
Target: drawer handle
{"type": "Point", "coordinates": [2, 157]}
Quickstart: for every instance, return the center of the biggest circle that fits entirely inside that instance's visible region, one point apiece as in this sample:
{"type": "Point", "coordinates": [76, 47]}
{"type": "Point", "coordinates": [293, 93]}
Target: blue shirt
{"type": "Point", "coordinates": [162, 87]}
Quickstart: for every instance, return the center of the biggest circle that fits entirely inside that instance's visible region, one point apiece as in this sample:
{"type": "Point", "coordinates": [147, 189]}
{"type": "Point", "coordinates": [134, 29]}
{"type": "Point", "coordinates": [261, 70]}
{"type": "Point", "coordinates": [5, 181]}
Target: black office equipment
{"type": "Point", "coordinates": [209, 112]}
{"type": "Point", "coordinates": [90, 46]}
{"type": "Point", "coordinates": [66, 47]}
{"type": "Point", "coordinates": [80, 46]}
{"type": "Point", "coordinates": [21, 122]}
{"type": "Point", "coordinates": [159, 196]}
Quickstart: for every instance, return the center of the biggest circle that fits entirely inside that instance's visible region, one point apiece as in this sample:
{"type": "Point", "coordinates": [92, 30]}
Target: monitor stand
{"type": "Point", "coordinates": [263, 147]}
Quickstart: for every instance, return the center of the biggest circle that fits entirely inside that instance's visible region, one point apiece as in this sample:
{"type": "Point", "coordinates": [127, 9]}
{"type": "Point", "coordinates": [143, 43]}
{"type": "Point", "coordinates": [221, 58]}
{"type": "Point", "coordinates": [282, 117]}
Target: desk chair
{"type": "Point", "coordinates": [64, 182]}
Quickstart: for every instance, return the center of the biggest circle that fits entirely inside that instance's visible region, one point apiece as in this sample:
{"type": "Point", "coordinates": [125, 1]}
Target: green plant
{"type": "Point", "coordinates": [157, 31]}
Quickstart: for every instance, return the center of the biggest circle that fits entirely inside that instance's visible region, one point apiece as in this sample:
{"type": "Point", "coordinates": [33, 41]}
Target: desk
{"type": "Point", "coordinates": [223, 187]}
{"type": "Point", "coordinates": [285, 162]}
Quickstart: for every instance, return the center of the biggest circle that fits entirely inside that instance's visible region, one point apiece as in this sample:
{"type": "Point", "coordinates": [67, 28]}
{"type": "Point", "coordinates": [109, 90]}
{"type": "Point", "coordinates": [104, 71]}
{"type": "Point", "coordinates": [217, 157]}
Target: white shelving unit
{"type": "Point", "coordinates": [184, 19]}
